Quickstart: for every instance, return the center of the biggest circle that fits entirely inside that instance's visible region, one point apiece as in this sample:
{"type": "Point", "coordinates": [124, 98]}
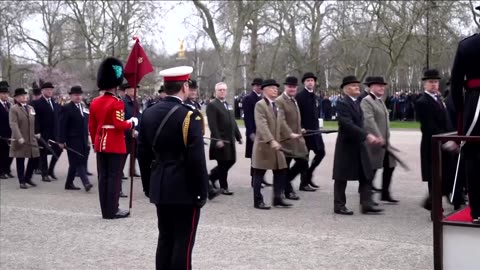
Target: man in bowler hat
{"type": "Point", "coordinates": [308, 104]}
{"type": "Point", "coordinates": [5, 131]}
{"type": "Point", "coordinates": [74, 135]}
{"type": "Point", "coordinates": [351, 160]}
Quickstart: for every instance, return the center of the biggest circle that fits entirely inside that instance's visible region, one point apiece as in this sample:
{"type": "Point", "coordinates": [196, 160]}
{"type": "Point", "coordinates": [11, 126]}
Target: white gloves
{"type": "Point", "coordinates": [133, 120]}
{"type": "Point", "coordinates": [135, 134]}
{"type": "Point", "coordinates": [21, 141]}
{"type": "Point", "coordinates": [450, 146]}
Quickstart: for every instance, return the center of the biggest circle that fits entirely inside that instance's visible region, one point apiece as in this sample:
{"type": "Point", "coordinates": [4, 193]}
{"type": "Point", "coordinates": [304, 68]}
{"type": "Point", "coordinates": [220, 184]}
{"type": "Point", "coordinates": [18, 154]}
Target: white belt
{"type": "Point", "coordinates": [108, 126]}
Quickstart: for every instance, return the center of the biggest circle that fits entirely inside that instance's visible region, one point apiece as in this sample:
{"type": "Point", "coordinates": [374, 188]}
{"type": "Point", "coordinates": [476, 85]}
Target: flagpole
{"type": "Point", "coordinates": [135, 108]}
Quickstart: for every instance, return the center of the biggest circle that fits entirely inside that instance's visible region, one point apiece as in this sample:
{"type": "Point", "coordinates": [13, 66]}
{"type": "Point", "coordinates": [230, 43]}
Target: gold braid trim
{"type": "Point", "coordinates": [186, 125]}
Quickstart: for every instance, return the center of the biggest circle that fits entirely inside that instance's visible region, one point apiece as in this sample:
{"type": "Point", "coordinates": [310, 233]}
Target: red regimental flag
{"type": "Point", "coordinates": [138, 65]}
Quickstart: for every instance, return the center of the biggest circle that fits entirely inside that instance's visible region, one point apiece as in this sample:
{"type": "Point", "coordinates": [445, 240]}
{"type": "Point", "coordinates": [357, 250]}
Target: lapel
{"type": "Point", "coordinates": [269, 109]}
{"type": "Point", "coordinates": [76, 109]}
{"type": "Point", "coordinates": [221, 105]}
{"type": "Point", "coordinates": [432, 100]}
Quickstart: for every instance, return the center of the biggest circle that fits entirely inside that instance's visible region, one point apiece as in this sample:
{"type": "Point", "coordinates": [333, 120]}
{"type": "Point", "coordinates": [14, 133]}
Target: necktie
{"type": "Point", "coordinates": [439, 101]}
{"type": "Point", "coordinates": [274, 107]}
{"type": "Point", "coordinates": [79, 106]}
{"type": "Point", "coordinates": [25, 108]}
{"type": "Point", "coordinates": [50, 102]}
{"type": "Point", "coordinates": [226, 105]}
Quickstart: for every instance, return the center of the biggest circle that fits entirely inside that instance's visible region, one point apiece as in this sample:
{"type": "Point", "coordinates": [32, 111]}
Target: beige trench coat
{"type": "Point", "coordinates": [268, 128]}
{"type": "Point", "coordinates": [377, 123]}
{"type": "Point", "coordinates": [291, 115]}
{"type": "Point", "coordinates": [22, 123]}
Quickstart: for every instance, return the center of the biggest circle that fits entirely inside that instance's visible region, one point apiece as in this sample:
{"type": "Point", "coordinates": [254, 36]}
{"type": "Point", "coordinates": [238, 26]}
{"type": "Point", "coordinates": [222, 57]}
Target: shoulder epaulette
{"type": "Point", "coordinates": [186, 125]}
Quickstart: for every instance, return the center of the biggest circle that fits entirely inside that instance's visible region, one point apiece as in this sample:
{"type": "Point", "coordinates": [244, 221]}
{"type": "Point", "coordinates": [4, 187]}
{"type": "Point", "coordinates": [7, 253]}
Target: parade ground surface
{"type": "Point", "coordinates": [47, 227]}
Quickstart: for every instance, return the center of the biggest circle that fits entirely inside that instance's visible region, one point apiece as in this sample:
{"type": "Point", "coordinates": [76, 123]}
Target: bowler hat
{"type": "Point", "coordinates": [431, 74]}
{"type": "Point", "coordinates": [36, 92]}
{"type": "Point", "coordinates": [291, 80]}
{"type": "Point", "coordinates": [308, 75]}
{"type": "Point", "coordinates": [348, 80]}
{"type": "Point", "coordinates": [257, 81]}
{"type": "Point", "coordinates": [374, 80]}
{"type": "Point", "coordinates": [269, 82]}
{"type": "Point", "coordinates": [47, 85]}
{"type": "Point", "coordinates": [4, 87]}
{"type": "Point", "coordinates": [19, 92]}
{"type": "Point", "coordinates": [75, 90]}
{"type": "Point", "coordinates": [192, 84]}
{"type": "Point", "coordinates": [109, 74]}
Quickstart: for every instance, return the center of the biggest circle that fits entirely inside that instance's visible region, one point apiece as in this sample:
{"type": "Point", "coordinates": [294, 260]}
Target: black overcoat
{"type": "Point", "coordinates": [351, 157]}
{"type": "Point", "coordinates": [222, 126]}
{"type": "Point", "coordinates": [248, 106]}
{"type": "Point", "coordinates": [73, 132]}
{"type": "Point", "coordinates": [47, 121]}
{"type": "Point", "coordinates": [308, 104]}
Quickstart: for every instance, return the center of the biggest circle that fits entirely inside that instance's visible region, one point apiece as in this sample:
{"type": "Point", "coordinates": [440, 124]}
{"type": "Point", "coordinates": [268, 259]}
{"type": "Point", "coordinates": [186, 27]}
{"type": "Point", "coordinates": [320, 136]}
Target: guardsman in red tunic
{"type": "Point", "coordinates": [107, 128]}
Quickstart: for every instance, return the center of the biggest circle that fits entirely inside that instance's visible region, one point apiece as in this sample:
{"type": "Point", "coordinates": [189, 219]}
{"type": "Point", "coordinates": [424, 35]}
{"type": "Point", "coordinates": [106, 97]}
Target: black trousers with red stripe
{"type": "Point", "coordinates": [177, 227]}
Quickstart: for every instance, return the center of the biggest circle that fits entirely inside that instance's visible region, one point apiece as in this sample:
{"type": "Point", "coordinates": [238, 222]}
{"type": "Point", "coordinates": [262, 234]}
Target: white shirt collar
{"type": "Point", "coordinates": [259, 95]}
{"type": "Point", "coordinates": [310, 91]}
{"type": "Point", "coordinates": [354, 99]}
{"type": "Point", "coordinates": [432, 95]}
{"type": "Point", "coordinates": [269, 100]}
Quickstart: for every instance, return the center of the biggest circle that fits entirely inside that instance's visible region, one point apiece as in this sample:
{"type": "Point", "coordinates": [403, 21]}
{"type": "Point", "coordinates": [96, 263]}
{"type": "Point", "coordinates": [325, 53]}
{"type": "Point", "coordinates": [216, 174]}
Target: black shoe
{"type": "Point", "coordinates": [89, 173]}
{"type": "Point", "coordinates": [280, 202]}
{"type": "Point", "coordinates": [371, 210]}
{"type": "Point", "coordinates": [46, 179]}
{"type": "Point", "coordinates": [265, 183]}
{"type": "Point", "coordinates": [427, 203]}
{"type": "Point", "coordinates": [227, 192]}
{"type": "Point", "coordinates": [343, 211]}
{"type": "Point", "coordinates": [262, 206]}
{"type": "Point", "coordinates": [292, 196]}
{"type": "Point", "coordinates": [10, 175]}
{"type": "Point", "coordinates": [88, 187]}
{"type": "Point", "coordinates": [313, 185]}
{"type": "Point", "coordinates": [307, 188]}
{"type": "Point", "coordinates": [124, 177]}
{"type": "Point", "coordinates": [388, 198]}
{"type": "Point", "coordinates": [31, 183]}
{"type": "Point", "coordinates": [38, 171]}
{"type": "Point", "coordinates": [53, 177]}
{"type": "Point", "coordinates": [213, 193]}
{"type": "Point", "coordinates": [72, 187]}
{"type": "Point", "coordinates": [123, 195]}
{"type": "Point", "coordinates": [23, 186]}
{"type": "Point", "coordinates": [3, 176]}
{"type": "Point", "coordinates": [476, 220]}
{"type": "Point", "coordinates": [136, 175]}
{"type": "Point", "coordinates": [376, 189]}
{"type": "Point", "coordinates": [121, 214]}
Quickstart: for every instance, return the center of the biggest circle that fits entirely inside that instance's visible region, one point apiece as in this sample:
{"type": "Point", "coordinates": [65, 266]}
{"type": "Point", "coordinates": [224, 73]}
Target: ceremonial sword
{"type": "Point", "coordinates": [47, 146]}
{"type": "Point", "coordinates": [68, 148]}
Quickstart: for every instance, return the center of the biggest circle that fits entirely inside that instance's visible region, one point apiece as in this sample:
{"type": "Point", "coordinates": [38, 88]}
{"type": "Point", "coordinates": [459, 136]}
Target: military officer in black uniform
{"type": "Point", "coordinates": [173, 167]}
{"type": "Point", "coordinates": [74, 135]}
{"type": "Point", "coordinates": [466, 67]}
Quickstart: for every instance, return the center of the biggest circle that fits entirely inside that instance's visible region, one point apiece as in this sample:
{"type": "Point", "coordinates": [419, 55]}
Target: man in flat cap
{"type": "Point", "coordinates": [46, 123]}
{"type": "Point", "coordinates": [107, 127]}
{"type": "Point", "coordinates": [173, 168]}
{"type": "Point", "coordinates": [309, 111]}
{"type": "Point", "coordinates": [5, 131]}
{"type": "Point", "coordinates": [466, 67]}
{"type": "Point", "coordinates": [74, 135]}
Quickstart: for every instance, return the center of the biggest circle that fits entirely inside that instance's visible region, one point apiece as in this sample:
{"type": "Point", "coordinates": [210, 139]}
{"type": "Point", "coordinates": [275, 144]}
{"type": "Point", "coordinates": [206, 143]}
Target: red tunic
{"type": "Point", "coordinates": [107, 124]}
